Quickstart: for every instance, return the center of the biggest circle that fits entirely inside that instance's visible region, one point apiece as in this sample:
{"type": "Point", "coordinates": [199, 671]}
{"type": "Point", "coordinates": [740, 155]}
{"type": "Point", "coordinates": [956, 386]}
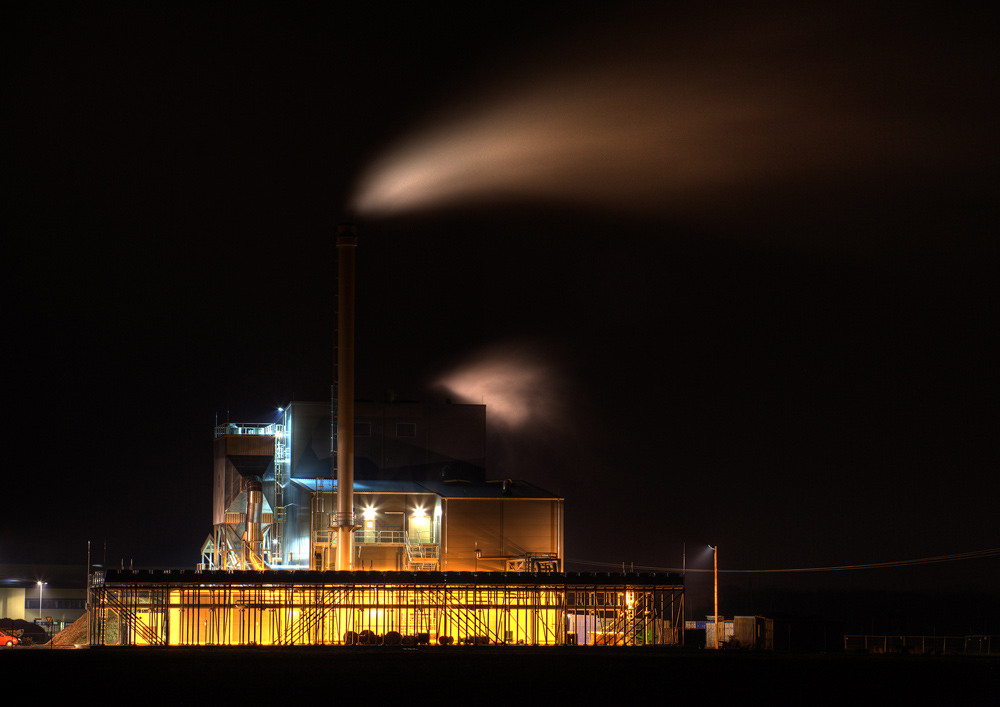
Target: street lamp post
{"type": "Point", "coordinates": [41, 586]}
{"type": "Point", "coordinates": [715, 561]}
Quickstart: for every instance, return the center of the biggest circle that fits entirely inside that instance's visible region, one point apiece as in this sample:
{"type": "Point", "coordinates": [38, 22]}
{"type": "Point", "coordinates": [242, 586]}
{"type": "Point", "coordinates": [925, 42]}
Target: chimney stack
{"type": "Point", "coordinates": [347, 243]}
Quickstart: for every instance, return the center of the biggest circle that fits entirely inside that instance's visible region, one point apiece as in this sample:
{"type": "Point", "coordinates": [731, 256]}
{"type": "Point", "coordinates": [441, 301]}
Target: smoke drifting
{"type": "Point", "coordinates": [527, 393]}
{"type": "Point", "coordinates": [690, 117]}
{"type": "Point", "coordinates": [518, 387]}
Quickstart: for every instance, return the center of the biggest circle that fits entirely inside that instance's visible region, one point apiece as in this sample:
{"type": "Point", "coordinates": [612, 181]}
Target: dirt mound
{"type": "Point", "coordinates": [29, 633]}
{"type": "Point", "coordinates": [74, 634]}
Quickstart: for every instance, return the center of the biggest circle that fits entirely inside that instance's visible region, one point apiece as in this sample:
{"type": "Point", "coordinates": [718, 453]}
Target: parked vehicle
{"type": "Point", "coordinates": [7, 639]}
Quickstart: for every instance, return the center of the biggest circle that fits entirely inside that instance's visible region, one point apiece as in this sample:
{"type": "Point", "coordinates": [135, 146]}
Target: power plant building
{"type": "Point", "coordinates": [421, 492]}
{"type": "Point", "coordinates": [443, 554]}
{"type": "Point", "coordinates": [349, 522]}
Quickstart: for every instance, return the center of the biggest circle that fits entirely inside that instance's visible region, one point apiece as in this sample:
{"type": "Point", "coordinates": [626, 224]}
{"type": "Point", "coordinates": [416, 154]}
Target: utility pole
{"type": "Point", "coordinates": [715, 561]}
{"type": "Point", "coordinates": [715, 556]}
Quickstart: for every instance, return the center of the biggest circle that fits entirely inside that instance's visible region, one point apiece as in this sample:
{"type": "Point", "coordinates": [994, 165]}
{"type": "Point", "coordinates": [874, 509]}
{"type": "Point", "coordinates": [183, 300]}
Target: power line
{"type": "Point", "coordinates": [957, 557]}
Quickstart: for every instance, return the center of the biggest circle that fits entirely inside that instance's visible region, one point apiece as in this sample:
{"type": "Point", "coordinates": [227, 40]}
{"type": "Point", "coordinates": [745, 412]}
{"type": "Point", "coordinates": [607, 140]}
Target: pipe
{"type": "Point", "coordinates": [255, 517]}
{"type": "Point", "coordinates": [347, 243]}
{"type": "Point", "coordinates": [255, 514]}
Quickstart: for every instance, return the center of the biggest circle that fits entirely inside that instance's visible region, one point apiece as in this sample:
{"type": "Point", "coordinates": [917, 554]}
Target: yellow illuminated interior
{"type": "Point", "coordinates": [239, 614]}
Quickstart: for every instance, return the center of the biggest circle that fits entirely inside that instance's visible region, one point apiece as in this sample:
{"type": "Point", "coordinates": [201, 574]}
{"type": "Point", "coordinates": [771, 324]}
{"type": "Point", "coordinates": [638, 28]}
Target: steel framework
{"type": "Point", "coordinates": [285, 607]}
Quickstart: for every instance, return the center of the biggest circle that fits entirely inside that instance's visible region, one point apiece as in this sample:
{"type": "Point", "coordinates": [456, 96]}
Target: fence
{"type": "Point", "coordinates": [964, 645]}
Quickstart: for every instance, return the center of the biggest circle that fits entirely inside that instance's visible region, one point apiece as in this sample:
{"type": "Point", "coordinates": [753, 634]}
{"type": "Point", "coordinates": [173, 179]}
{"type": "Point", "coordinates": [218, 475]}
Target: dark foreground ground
{"type": "Point", "coordinates": [476, 675]}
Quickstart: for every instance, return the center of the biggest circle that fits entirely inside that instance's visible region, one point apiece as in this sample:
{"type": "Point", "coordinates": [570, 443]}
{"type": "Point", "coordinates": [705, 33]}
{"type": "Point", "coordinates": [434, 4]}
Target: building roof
{"type": "Point", "coordinates": [445, 489]}
{"type": "Point", "coordinates": [491, 489]}
{"type": "Point", "coordinates": [298, 577]}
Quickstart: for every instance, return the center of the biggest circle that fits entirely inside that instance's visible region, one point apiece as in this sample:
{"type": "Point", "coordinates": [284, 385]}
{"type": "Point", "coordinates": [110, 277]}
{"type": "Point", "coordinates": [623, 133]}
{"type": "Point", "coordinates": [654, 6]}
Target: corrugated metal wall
{"type": "Point", "coordinates": [228, 482]}
{"type": "Point", "coordinates": [502, 527]}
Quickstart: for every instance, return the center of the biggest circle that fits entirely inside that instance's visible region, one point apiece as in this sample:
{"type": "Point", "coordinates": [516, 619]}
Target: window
{"type": "Point", "coordinates": [406, 429]}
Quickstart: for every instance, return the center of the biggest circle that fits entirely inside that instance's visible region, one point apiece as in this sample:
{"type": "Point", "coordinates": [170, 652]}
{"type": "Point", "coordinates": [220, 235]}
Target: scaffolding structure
{"type": "Point", "coordinates": [291, 607]}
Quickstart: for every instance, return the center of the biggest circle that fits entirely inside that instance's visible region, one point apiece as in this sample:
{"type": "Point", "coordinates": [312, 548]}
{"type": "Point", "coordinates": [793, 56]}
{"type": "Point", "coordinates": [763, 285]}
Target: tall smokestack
{"type": "Point", "coordinates": [347, 242]}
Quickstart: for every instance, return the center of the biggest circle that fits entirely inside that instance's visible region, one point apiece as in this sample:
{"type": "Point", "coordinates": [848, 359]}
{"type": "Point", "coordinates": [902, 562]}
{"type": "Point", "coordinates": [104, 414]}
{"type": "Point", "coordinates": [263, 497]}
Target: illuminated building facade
{"type": "Point", "coordinates": [421, 494]}
{"type": "Point", "coordinates": [288, 607]}
{"type": "Point", "coordinates": [448, 556]}
{"type": "Point", "coordinates": [425, 549]}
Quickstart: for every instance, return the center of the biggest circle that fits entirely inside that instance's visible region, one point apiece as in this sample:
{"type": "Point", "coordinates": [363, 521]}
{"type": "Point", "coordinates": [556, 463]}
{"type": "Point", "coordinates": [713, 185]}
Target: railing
{"type": "Point", "coordinates": [423, 552]}
{"type": "Point", "coordinates": [966, 645]}
{"type": "Point", "coordinates": [534, 562]}
{"type": "Point", "coordinates": [246, 428]}
{"type": "Point", "coordinates": [379, 537]}
{"type": "Point", "coordinates": [372, 537]}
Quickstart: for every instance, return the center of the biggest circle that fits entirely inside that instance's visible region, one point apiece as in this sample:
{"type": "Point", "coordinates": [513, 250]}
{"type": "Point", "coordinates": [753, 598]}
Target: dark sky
{"type": "Point", "coordinates": [738, 266]}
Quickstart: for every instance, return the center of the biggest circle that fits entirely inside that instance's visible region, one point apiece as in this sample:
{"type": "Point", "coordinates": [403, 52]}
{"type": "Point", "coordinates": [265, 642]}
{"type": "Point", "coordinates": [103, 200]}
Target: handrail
{"type": "Point", "coordinates": [380, 537]}
{"type": "Point", "coordinates": [309, 619]}
{"type": "Point", "coordinates": [246, 428]}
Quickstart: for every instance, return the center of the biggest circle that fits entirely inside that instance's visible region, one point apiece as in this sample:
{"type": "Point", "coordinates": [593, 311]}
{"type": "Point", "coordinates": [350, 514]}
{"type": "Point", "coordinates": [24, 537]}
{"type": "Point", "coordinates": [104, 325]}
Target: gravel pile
{"type": "Point", "coordinates": [74, 634]}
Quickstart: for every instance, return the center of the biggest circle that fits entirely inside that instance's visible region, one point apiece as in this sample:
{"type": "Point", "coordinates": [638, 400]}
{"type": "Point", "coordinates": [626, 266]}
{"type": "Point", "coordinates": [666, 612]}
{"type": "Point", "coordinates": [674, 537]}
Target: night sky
{"type": "Point", "coordinates": [722, 275]}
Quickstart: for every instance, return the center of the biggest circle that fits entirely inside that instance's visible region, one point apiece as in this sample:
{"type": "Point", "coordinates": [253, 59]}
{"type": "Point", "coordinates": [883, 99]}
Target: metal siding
{"type": "Point", "coordinates": [249, 445]}
{"type": "Point", "coordinates": [310, 440]}
{"type": "Point", "coordinates": [404, 451]}
{"type": "Point", "coordinates": [530, 526]}
{"type": "Point", "coordinates": [456, 432]}
{"type": "Point", "coordinates": [371, 448]}
{"type": "Point", "coordinates": [219, 483]}
{"type": "Point", "coordinates": [501, 527]}
{"type": "Point", "coordinates": [472, 521]}
{"type": "Point", "coordinates": [744, 631]}
{"type": "Point", "coordinates": [444, 433]}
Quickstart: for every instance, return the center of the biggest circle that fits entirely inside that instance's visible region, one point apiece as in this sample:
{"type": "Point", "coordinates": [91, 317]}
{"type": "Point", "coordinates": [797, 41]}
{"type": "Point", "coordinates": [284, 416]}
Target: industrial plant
{"type": "Point", "coordinates": [349, 522]}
